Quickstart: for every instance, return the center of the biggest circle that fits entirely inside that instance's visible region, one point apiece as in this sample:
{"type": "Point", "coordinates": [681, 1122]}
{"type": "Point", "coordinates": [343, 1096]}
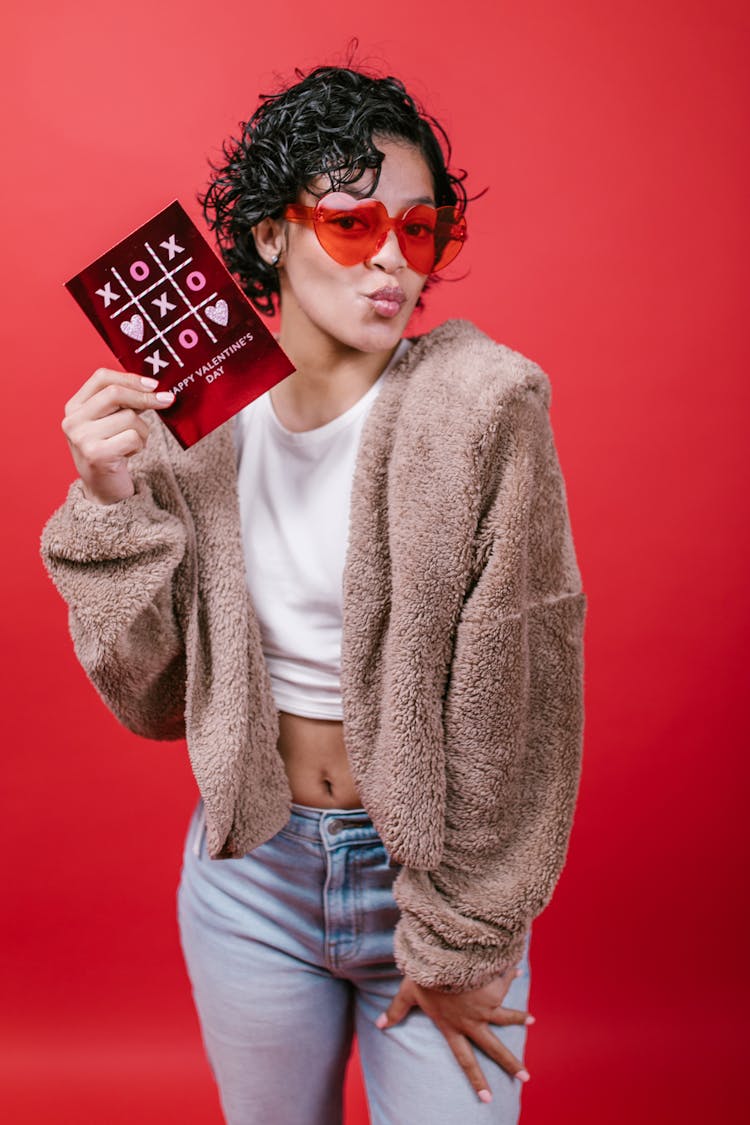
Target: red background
{"type": "Point", "coordinates": [612, 248]}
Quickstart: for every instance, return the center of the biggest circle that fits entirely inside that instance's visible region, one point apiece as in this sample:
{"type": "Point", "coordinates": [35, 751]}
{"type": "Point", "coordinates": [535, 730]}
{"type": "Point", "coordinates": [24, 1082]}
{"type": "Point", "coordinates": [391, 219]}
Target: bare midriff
{"type": "Point", "coordinates": [316, 762]}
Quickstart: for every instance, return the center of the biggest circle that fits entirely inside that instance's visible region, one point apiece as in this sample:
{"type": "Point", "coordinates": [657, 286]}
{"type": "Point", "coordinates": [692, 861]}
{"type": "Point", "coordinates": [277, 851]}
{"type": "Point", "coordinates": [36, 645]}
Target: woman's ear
{"type": "Point", "coordinates": [269, 240]}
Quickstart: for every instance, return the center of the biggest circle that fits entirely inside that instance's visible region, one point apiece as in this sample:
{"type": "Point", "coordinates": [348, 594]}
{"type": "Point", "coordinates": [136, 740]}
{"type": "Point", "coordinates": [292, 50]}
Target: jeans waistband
{"type": "Point", "coordinates": [331, 826]}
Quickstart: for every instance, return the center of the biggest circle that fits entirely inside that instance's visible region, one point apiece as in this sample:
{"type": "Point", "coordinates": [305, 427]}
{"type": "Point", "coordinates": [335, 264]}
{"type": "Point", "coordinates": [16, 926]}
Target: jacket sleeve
{"type": "Point", "coordinates": [115, 566]}
{"type": "Point", "coordinates": [516, 693]}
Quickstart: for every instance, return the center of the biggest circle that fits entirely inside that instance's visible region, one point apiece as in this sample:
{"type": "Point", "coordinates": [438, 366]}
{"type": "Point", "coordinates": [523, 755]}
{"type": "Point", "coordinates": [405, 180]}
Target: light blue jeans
{"type": "Point", "coordinates": [289, 951]}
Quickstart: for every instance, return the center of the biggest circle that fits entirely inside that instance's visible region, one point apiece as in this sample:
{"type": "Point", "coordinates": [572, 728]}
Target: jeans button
{"type": "Point", "coordinates": [335, 827]}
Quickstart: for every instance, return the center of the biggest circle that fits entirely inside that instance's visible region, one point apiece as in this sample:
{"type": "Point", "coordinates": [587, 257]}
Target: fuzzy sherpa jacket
{"type": "Point", "coordinates": [462, 644]}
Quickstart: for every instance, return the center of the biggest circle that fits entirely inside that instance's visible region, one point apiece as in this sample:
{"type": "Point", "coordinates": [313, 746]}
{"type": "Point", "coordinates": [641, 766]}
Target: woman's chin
{"type": "Point", "coordinates": [378, 333]}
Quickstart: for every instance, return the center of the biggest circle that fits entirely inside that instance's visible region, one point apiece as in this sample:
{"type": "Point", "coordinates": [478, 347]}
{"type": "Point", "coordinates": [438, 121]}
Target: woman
{"type": "Point", "coordinates": [360, 603]}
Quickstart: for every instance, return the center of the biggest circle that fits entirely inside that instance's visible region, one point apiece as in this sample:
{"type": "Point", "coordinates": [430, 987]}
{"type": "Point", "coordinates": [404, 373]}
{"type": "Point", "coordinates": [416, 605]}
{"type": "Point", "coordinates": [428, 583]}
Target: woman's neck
{"type": "Point", "coordinates": [328, 379]}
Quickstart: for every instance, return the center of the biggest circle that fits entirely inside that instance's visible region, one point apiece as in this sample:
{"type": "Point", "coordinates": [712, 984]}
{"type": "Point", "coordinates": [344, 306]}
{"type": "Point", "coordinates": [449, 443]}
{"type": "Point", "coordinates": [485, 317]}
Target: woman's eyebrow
{"type": "Point", "coordinates": [359, 194]}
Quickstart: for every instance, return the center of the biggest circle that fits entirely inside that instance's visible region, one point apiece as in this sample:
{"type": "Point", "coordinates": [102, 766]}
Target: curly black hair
{"type": "Point", "coordinates": [324, 124]}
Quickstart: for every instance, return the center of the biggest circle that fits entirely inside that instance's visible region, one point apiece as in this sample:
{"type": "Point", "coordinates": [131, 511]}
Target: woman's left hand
{"type": "Point", "coordinates": [464, 1018]}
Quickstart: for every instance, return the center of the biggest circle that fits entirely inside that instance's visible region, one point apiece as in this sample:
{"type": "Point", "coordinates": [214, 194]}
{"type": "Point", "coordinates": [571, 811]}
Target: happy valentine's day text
{"type": "Point", "coordinates": [213, 369]}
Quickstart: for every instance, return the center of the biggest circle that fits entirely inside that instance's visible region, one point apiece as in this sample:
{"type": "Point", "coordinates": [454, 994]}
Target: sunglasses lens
{"type": "Point", "coordinates": [417, 237]}
{"type": "Point", "coordinates": [450, 235]}
{"type": "Point", "coordinates": [431, 237]}
{"type": "Point", "coordinates": [347, 228]}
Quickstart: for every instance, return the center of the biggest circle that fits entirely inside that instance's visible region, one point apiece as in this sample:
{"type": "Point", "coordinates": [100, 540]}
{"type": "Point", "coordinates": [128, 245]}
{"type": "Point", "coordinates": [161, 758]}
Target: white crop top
{"type": "Point", "coordinates": [295, 494]}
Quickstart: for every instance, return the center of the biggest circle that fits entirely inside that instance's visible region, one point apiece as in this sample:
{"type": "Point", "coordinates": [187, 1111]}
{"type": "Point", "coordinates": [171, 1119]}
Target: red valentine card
{"type": "Point", "coordinates": [167, 307]}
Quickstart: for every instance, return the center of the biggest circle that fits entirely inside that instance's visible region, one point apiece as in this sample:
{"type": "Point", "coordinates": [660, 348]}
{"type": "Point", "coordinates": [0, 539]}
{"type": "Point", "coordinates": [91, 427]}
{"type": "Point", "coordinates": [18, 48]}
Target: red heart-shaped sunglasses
{"type": "Point", "coordinates": [352, 230]}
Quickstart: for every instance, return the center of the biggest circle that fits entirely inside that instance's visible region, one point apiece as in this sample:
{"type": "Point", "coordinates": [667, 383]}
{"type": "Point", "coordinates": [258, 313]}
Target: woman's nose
{"type": "Point", "coordinates": [389, 256]}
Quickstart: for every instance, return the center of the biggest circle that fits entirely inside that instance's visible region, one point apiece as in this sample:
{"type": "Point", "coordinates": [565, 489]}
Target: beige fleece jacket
{"type": "Point", "coordinates": [462, 646]}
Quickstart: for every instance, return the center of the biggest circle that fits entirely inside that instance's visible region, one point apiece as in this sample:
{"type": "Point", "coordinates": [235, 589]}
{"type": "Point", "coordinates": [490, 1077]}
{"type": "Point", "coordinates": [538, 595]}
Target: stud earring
{"type": "Point", "coordinates": [275, 259]}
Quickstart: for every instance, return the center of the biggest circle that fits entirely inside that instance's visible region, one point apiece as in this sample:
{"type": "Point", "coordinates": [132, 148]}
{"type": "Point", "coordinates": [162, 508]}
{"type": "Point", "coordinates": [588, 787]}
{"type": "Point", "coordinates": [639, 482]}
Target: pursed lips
{"type": "Point", "coordinates": [388, 300]}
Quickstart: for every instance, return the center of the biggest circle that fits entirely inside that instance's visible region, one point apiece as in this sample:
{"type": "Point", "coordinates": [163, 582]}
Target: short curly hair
{"type": "Point", "coordinates": [324, 124]}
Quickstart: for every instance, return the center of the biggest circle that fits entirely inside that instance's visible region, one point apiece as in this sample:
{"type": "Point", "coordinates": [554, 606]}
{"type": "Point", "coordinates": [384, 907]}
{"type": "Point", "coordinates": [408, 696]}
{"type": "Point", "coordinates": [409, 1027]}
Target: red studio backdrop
{"type": "Point", "coordinates": [612, 248]}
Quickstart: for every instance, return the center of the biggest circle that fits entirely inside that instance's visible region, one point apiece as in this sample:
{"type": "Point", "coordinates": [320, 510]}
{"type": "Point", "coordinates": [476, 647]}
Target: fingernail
{"type": "Point", "coordinates": [530, 1020]}
{"type": "Point", "coordinates": [484, 1096]}
{"type": "Point", "coordinates": [148, 382]}
{"type": "Point", "coordinates": [164, 396]}
{"type": "Point", "coordinates": [523, 1075]}
{"type": "Point", "coordinates": [381, 1021]}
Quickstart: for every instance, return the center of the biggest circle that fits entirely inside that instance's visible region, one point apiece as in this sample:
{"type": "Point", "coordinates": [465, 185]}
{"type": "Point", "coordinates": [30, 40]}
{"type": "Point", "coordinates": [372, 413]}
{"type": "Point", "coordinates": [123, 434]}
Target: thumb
{"type": "Point", "coordinates": [401, 1003]}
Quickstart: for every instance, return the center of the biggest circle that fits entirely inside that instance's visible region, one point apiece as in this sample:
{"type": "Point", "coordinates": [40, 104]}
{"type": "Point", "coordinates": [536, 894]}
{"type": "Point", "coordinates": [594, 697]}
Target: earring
{"type": "Point", "coordinates": [275, 259]}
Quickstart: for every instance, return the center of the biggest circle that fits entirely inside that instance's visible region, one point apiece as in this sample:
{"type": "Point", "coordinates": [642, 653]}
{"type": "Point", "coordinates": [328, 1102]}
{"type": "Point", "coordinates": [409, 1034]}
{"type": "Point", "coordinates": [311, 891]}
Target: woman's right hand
{"type": "Point", "coordinates": [104, 428]}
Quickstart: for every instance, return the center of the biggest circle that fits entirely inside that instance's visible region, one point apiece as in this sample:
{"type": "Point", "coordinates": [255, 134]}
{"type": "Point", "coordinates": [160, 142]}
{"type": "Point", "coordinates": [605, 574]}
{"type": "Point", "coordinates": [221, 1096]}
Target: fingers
{"type": "Point", "coordinates": [126, 419]}
{"type": "Point", "coordinates": [497, 1051]}
{"type": "Point", "coordinates": [104, 426]}
{"type": "Point", "coordinates": [111, 390]}
{"type": "Point", "coordinates": [107, 407]}
{"type": "Point", "coordinates": [109, 454]}
{"type": "Point", "coordinates": [507, 1016]}
{"type": "Point", "coordinates": [457, 1042]}
{"type": "Point", "coordinates": [462, 1033]}
{"type": "Point", "coordinates": [466, 1058]}
{"type": "Point", "coordinates": [92, 440]}
{"type": "Point", "coordinates": [105, 453]}
{"type": "Point", "coordinates": [402, 1002]}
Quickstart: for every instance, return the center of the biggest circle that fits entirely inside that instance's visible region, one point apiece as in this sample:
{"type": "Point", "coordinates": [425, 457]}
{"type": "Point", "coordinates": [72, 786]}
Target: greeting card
{"type": "Point", "coordinates": [167, 307]}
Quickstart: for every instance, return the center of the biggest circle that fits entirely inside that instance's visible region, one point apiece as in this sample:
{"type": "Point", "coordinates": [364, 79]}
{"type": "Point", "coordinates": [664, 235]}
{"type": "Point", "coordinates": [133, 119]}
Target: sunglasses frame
{"type": "Point", "coordinates": [451, 217]}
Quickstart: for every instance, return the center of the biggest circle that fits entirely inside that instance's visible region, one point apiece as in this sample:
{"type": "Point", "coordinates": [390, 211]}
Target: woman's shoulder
{"type": "Point", "coordinates": [459, 361]}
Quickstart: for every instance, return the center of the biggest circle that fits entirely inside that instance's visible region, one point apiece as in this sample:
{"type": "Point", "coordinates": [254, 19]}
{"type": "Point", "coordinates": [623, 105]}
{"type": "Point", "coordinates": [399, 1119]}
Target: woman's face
{"type": "Point", "coordinates": [367, 306]}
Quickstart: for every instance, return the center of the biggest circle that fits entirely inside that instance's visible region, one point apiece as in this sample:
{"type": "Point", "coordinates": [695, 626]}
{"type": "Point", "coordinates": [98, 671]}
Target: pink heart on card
{"type": "Point", "coordinates": [218, 313]}
{"type": "Point", "coordinates": [133, 327]}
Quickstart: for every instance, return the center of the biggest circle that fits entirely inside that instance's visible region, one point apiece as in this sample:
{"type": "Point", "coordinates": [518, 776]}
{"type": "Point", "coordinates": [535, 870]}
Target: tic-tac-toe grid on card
{"type": "Point", "coordinates": [167, 307]}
